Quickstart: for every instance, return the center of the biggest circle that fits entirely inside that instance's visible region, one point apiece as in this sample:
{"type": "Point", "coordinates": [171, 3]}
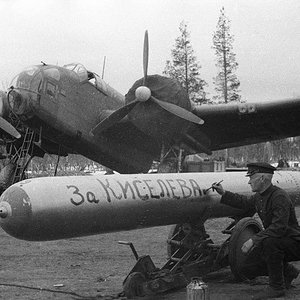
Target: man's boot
{"type": "Point", "coordinates": [276, 286]}
{"type": "Point", "coordinates": [290, 273]}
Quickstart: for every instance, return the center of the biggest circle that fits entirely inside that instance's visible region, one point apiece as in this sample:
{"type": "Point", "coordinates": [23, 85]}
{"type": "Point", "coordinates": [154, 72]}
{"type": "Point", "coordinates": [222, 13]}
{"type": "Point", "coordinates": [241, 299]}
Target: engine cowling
{"type": "Point", "coordinates": [151, 118]}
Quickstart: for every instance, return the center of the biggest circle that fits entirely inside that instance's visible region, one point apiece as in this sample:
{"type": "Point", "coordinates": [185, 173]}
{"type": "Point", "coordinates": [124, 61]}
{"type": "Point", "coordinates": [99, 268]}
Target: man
{"type": "Point", "coordinates": [269, 251]}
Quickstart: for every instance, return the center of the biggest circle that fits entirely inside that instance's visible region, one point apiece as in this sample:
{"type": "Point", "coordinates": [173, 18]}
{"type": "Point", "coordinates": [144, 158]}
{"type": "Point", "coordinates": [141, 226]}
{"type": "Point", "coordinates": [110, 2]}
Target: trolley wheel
{"type": "Point", "coordinates": [243, 230]}
{"type": "Point", "coordinates": [133, 285]}
{"type": "Point", "coordinates": [178, 233]}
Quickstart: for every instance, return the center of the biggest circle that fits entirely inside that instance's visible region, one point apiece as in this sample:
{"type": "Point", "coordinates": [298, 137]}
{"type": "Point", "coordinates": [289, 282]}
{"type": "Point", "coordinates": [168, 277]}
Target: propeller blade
{"type": "Point", "coordinates": [113, 118]}
{"type": "Point", "coordinates": [145, 56]}
{"type": "Point", "coordinates": [178, 111]}
{"type": "Point", "coordinates": [7, 127]}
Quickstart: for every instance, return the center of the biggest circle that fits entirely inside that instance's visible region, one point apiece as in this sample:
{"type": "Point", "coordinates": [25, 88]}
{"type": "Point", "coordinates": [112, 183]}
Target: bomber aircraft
{"type": "Point", "coordinates": [69, 109]}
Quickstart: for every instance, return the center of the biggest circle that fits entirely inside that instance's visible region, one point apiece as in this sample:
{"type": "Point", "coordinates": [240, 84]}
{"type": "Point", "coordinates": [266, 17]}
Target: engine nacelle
{"type": "Point", "coordinates": [159, 123]}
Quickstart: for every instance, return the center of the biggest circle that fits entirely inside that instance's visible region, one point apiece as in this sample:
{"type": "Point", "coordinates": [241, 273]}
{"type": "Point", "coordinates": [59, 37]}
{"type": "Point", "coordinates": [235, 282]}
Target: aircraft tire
{"type": "Point", "coordinates": [243, 230]}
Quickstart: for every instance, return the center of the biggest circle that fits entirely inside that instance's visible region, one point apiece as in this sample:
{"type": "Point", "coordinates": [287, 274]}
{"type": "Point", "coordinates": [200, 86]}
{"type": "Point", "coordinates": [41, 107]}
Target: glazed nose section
{"type": "Point", "coordinates": [4, 107]}
{"type": "Point", "coordinates": [15, 212]}
{"type": "Point", "coordinates": [4, 112]}
{"type": "Point", "coordinates": [18, 102]}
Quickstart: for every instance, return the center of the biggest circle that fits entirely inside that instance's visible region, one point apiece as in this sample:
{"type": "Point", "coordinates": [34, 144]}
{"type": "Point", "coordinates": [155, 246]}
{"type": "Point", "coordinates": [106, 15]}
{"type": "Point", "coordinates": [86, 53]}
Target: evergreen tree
{"type": "Point", "coordinates": [185, 68]}
{"type": "Point", "coordinates": [226, 82]}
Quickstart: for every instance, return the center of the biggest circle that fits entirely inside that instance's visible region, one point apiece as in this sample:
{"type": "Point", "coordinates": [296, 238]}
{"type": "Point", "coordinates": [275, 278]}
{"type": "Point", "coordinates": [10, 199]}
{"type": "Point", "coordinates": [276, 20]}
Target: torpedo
{"type": "Point", "coordinates": [51, 208]}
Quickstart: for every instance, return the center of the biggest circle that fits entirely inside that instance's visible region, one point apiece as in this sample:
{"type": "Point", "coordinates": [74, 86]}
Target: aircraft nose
{"type": "Point", "coordinates": [4, 109]}
{"type": "Point", "coordinates": [17, 102]}
{"type": "Point", "coordinates": [23, 102]}
{"type": "Point", "coordinates": [15, 211]}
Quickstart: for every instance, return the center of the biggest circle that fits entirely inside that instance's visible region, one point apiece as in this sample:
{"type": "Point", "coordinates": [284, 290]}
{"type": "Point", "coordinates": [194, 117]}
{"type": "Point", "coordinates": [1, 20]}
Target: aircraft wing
{"type": "Point", "coordinates": [233, 125]}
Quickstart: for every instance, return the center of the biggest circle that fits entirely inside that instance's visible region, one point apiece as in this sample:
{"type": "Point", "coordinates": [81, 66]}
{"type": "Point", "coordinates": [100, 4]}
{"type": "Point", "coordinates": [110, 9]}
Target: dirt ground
{"type": "Point", "coordinates": [94, 267]}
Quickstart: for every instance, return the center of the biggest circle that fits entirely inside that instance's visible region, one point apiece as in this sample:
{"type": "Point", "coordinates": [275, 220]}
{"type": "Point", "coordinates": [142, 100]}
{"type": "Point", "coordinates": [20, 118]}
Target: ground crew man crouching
{"type": "Point", "coordinates": [269, 251]}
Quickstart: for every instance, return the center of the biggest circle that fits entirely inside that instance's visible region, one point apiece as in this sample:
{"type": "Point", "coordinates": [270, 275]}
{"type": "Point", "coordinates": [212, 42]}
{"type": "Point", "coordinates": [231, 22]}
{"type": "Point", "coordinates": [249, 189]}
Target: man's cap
{"type": "Point", "coordinates": [260, 167]}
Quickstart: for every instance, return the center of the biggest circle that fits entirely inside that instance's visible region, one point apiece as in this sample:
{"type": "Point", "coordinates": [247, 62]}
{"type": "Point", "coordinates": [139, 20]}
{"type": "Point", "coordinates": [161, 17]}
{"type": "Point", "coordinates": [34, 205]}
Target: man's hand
{"type": "Point", "coordinates": [247, 246]}
{"type": "Point", "coordinates": [218, 188]}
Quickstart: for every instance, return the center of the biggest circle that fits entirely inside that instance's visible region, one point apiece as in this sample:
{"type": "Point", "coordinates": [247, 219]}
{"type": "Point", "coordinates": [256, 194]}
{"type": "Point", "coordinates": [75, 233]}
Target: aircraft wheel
{"type": "Point", "coordinates": [243, 230]}
{"type": "Point", "coordinates": [133, 285]}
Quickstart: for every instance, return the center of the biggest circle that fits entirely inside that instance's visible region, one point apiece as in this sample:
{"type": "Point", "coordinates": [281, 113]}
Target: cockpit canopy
{"type": "Point", "coordinates": [79, 69]}
{"type": "Point", "coordinates": [94, 79]}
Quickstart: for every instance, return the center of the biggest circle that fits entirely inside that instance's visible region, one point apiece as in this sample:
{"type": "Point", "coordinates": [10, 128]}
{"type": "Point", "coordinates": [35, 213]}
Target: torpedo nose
{"type": "Point", "coordinates": [15, 212]}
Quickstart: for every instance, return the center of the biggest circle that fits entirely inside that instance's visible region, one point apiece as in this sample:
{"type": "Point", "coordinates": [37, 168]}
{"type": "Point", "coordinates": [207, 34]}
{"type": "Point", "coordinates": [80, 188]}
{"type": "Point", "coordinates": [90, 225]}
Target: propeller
{"type": "Point", "coordinates": [178, 111]}
{"type": "Point", "coordinates": [113, 118]}
{"type": "Point", "coordinates": [143, 94]}
{"type": "Point", "coordinates": [5, 125]}
{"type": "Point", "coordinates": [145, 56]}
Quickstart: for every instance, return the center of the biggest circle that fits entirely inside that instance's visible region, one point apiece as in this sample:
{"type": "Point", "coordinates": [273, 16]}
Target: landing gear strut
{"type": "Point", "coordinates": [191, 254]}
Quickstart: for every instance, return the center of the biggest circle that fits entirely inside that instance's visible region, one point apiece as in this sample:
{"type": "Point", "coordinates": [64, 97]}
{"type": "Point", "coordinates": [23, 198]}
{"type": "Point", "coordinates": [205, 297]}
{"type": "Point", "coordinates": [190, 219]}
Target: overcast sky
{"type": "Point", "coordinates": [267, 39]}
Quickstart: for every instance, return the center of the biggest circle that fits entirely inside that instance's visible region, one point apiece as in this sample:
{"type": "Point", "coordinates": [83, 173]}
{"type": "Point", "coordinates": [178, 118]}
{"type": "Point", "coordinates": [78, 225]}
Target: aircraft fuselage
{"type": "Point", "coordinates": [65, 103]}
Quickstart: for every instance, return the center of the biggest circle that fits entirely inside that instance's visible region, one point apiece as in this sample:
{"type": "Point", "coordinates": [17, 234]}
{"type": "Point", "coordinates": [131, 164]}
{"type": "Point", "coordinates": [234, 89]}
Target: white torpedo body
{"type": "Point", "coordinates": [52, 208]}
